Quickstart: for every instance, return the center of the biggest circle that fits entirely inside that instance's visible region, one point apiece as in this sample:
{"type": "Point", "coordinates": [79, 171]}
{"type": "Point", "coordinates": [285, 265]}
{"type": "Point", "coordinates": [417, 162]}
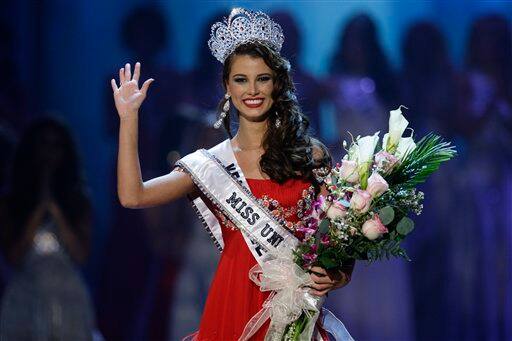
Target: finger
{"type": "Point", "coordinates": [146, 85]}
{"type": "Point", "coordinates": [318, 292]}
{"type": "Point", "coordinates": [128, 72]}
{"type": "Point", "coordinates": [318, 270]}
{"type": "Point", "coordinates": [322, 279]}
{"type": "Point", "coordinates": [339, 276]}
{"type": "Point", "coordinates": [136, 72]}
{"type": "Point", "coordinates": [121, 76]}
{"type": "Point", "coordinates": [114, 85]}
{"type": "Point", "coordinates": [318, 286]}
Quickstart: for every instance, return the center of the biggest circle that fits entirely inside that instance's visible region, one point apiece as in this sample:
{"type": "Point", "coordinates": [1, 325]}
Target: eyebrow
{"type": "Point", "coordinates": [261, 74]}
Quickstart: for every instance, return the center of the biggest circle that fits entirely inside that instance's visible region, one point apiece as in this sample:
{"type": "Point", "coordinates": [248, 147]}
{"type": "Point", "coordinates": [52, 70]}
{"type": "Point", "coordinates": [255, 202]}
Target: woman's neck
{"type": "Point", "coordinates": [250, 134]}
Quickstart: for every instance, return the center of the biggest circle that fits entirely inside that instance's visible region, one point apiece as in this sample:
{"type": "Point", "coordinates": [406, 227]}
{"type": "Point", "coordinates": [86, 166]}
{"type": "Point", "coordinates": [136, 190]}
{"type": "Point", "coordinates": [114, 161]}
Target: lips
{"type": "Point", "coordinates": [253, 102]}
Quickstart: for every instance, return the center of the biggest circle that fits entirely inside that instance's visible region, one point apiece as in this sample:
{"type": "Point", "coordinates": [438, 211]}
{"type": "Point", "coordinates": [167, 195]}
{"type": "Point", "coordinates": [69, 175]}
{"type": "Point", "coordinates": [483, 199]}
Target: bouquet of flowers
{"type": "Point", "coordinates": [371, 196]}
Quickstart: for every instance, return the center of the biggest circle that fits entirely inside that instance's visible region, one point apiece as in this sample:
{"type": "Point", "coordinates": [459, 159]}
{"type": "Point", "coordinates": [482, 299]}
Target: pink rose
{"type": "Point", "coordinates": [336, 210]}
{"type": "Point", "coordinates": [360, 201]}
{"type": "Point", "coordinates": [385, 161]}
{"type": "Point", "coordinates": [348, 171]}
{"type": "Point", "coordinates": [373, 228]}
{"type": "Point", "coordinates": [376, 185]}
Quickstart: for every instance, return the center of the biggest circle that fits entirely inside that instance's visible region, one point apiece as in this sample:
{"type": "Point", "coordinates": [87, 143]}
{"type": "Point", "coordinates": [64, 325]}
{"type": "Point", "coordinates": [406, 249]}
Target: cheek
{"type": "Point", "coordinates": [236, 94]}
{"type": "Point", "coordinates": [268, 91]}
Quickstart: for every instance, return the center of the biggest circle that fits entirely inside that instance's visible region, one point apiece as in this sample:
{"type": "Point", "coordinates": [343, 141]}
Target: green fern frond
{"type": "Point", "coordinates": [425, 159]}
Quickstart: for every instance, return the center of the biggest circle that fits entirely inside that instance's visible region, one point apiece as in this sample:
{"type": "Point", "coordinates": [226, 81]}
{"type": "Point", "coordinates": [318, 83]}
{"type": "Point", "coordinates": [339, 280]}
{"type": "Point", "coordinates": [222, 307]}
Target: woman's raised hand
{"type": "Point", "coordinates": [128, 97]}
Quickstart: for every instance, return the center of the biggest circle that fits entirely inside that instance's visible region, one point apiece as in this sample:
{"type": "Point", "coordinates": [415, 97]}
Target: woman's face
{"type": "Point", "coordinates": [250, 85]}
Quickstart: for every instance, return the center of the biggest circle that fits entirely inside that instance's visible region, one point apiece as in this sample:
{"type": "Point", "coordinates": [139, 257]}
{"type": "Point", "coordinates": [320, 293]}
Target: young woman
{"type": "Point", "coordinates": [46, 218]}
{"type": "Point", "coordinates": [271, 149]}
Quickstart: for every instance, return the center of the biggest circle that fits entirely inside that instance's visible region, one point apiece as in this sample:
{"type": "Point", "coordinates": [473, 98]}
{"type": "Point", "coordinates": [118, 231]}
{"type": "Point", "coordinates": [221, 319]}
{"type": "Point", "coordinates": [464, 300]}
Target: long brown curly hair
{"type": "Point", "coordinates": [290, 151]}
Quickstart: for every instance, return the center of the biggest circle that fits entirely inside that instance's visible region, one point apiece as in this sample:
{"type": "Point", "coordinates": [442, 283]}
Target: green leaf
{"type": "Point", "coordinates": [327, 262]}
{"type": "Point", "coordinates": [405, 226]}
{"type": "Point", "coordinates": [386, 215]}
{"type": "Point", "coordinates": [324, 226]}
{"type": "Point", "coordinates": [322, 229]}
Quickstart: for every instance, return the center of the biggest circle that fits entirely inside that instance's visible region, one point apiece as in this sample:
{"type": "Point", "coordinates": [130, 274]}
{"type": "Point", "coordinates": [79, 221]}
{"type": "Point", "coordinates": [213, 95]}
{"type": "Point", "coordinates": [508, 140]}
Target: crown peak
{"type": "Point", "coordinates": [243, 26]}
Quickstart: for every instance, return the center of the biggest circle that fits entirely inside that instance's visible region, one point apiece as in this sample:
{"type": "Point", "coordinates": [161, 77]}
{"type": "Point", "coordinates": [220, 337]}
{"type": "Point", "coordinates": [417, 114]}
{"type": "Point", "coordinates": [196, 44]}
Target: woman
{"type": "Point", "coordinates": [361, 81]}
{"type": "Point", "coordinates": [483, 123]}
{"type": "Point", "coordinates": [45, 233]}
{"type": "Point", "coordinates": [271, 149]}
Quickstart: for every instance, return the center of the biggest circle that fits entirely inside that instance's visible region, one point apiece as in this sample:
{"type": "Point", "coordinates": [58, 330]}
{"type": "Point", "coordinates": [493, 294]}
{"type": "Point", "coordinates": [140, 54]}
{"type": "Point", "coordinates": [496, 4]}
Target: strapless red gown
{"type": "Point", "coordinates": [233, 298]}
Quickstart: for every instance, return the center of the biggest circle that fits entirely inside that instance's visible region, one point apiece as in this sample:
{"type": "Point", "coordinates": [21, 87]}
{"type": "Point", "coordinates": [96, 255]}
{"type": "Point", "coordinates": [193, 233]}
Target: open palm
{"type": "Point", "coordinates": [128, 97]}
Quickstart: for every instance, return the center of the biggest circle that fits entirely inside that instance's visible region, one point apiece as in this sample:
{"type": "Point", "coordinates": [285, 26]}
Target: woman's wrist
{"type": "Point", "coordinates": [129, 115]}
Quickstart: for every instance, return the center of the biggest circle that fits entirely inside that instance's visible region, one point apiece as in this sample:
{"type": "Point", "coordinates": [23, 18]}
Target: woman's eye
{"type": "Point", "coordinates": [239, 80]}
{"type": "Point", "coordinates": [265, 78]}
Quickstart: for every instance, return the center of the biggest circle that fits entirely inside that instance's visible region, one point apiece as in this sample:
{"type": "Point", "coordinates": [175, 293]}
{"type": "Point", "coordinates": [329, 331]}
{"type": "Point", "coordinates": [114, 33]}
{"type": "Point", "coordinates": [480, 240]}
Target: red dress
{"type": "Point", "coordinates": [233, 298]}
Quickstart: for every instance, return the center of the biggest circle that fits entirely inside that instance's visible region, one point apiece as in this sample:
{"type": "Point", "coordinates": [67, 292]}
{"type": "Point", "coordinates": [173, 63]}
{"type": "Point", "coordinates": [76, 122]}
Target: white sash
{"type": "Point", "coordinates": [213, 172]}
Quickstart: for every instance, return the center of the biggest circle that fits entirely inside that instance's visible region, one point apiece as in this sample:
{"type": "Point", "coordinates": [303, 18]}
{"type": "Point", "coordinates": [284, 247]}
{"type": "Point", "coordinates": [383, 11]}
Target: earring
{"type": "Point", "coordinates": [278, 121]}
{"type": "Point", "coordinates": [225, 110]}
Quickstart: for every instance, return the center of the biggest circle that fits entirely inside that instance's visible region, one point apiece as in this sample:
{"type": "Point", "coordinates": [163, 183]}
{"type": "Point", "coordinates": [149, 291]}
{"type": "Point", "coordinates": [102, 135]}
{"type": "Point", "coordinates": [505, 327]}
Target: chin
{"type": "Point", "coordinates": [255, 115]}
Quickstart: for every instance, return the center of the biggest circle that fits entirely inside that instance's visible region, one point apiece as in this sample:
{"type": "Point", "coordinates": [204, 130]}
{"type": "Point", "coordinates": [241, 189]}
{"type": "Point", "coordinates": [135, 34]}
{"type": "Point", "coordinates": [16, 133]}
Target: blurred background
{"type": "Point", "coordinates": [88, 266]}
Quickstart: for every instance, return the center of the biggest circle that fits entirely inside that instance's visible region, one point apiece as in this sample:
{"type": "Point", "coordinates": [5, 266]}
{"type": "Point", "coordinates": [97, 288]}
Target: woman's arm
{"type": "Point", "coordinates": [76, 245]}
{"type": "Point", "coordinates": [132, 191]}
{"type": "Point", "coordinates": [19, 247]}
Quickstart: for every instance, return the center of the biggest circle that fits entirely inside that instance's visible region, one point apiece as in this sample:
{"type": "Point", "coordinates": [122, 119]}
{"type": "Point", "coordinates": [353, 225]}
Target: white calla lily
{"type": "Point", "coordinates": [364, 156]}
{"type": "Point", "coordinates": [405, 146]}
{"type": "Point", "coordinates": [397, 126]}
{"type": "Point", "coordinates": [365, 148]}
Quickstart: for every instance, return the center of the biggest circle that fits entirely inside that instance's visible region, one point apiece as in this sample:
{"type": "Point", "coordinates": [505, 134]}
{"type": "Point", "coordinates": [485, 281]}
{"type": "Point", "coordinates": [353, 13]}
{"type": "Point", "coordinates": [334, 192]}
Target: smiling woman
{"type": "Point", "coordinates": [269, 163]}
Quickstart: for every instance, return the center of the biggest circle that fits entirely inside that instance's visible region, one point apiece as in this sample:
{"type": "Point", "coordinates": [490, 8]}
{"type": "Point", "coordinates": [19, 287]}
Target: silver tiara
{"type": "Point", "coordinates": [241, 27]}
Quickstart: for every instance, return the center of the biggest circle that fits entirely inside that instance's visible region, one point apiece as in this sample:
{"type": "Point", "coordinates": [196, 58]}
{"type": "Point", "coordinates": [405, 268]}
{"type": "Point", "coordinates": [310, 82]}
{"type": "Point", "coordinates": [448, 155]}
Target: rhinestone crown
{"type": "Point", "coordinates": [241, 27]}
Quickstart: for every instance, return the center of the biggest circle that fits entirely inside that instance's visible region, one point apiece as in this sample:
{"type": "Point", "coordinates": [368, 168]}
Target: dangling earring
{"type": "Point", "coordinates": [278, 121]}
{"type": "Point", "coordinates": [224, 112]}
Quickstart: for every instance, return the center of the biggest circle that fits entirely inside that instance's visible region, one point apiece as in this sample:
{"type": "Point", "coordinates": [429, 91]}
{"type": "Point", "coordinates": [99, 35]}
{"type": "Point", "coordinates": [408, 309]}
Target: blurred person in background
{"type": "Point", "coordinates": [310, 91]}
{"type": "Point", "coordinates": [14, 97]}
{"type": "Point", "coordinates": [361, 82]}
{"type": "Point", "coordinates": [428, 88]}
{"type": "Point", "coordinates": [479, 293]}
{"type": "Point", "coordinates": [46, 218]}
{"type": "Point", "coordinates": [427, 80]}
{"type": "Point", "coordinates": [485, 93]}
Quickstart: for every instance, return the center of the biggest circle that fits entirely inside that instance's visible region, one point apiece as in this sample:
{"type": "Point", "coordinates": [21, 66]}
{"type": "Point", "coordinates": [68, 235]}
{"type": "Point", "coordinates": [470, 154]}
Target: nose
{"type": "Point", "coordinates": [253, 88]}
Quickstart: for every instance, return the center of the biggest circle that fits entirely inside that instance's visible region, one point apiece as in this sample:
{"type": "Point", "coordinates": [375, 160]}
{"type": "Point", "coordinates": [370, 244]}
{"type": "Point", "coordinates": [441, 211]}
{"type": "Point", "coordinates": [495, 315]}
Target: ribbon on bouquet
{"type": "Point", "coordinates": [288, 300]}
